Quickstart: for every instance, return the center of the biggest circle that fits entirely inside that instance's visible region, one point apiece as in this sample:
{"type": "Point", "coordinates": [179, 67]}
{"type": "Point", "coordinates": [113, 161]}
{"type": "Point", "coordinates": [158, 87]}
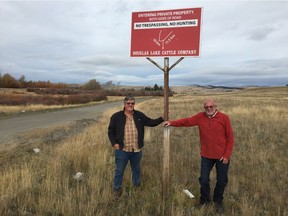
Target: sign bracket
{"type": "Point", "coordinates": [157, 65]}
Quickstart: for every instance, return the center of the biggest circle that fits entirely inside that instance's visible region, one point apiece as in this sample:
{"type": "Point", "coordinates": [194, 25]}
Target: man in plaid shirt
{"type": "Point", "coordinates": [126, 134]}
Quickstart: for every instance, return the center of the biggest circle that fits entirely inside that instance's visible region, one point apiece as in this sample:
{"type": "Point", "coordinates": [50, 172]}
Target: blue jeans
{"type": "Point", "coordinates": [222, 180]}
{"type": "Point", "coordinates": [121, 160]}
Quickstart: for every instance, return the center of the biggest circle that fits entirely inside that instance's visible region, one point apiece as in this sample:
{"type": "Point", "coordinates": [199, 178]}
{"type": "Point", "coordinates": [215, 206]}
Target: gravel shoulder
{"type": "Point", "coordinates": [12, 128]}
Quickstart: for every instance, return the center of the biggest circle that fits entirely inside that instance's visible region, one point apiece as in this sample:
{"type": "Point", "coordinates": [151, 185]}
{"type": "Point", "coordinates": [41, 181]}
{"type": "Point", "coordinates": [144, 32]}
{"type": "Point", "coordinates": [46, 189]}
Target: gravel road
{"type": "Point", "coordinates": [11, 128]}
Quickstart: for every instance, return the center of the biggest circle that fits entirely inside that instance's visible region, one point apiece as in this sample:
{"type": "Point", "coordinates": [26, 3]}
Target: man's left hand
{"type": "Point", "coordinates": [224, 160]}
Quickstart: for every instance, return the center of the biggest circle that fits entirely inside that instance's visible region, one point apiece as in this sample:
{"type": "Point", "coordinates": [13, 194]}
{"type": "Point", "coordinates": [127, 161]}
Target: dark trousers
{"type": "Point", "coordinates": [121, 160]}
{"type": "Point", "coordinates": [204, 180]}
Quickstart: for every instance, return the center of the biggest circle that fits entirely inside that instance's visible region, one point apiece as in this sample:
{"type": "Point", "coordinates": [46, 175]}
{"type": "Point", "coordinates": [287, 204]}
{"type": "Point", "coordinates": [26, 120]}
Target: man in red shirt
{"type": "Point", "coordinates": [217, 142]}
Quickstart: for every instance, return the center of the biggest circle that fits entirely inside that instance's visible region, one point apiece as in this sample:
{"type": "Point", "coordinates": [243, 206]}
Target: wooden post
{"type": "Point", "coordinates": [166, 141]}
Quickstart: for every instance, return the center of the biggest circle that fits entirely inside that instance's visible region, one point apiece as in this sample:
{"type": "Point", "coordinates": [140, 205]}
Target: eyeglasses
{"type": "Point", "coordinates": [210, 107]}
{"type": "Point", "coordinates": [128, 103]}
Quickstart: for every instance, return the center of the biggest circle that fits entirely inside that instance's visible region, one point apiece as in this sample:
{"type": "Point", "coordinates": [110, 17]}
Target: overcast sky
{"type": "Point", "coordinates": [242, 43]}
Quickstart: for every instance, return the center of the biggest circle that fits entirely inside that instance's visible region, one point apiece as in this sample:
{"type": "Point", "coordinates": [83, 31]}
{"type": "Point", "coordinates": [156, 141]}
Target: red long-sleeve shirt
{"type": "Point", "coordinates": [216, 134]}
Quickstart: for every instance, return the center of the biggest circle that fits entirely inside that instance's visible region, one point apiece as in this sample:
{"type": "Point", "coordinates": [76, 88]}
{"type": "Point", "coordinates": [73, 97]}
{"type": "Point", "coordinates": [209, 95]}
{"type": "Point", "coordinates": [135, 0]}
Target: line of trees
{"type": "Point", "coordinates": [8, 81]}
{"type": "Point", "coordinates": [155, 88]}
{"type": "Point", "coordinates": [67, 93]}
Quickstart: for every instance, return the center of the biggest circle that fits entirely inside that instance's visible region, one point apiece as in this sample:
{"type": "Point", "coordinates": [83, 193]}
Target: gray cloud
{"type": "Point", "coordinates": [260, 33]}
{"type": "Point", "coordinates": [75, 41]}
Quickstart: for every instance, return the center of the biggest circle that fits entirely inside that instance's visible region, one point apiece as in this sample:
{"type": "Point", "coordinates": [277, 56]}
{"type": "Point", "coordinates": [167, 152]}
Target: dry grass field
{"type": "Point", "coordinates": [43, 184]}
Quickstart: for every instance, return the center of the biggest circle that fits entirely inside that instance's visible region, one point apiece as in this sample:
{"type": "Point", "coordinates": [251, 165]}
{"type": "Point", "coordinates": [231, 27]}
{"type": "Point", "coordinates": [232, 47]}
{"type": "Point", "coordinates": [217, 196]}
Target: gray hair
{"type": "Point", "coordinates": [129, 97]}
{"type": "Point", "coordinates": [210, 100]}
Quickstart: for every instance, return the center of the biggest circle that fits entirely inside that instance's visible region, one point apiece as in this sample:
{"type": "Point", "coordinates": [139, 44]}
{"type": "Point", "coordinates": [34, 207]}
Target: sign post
{"type": "Point", "coordinates": [166, 141]}
{"type": "Point", "coordinates": [162, 34]}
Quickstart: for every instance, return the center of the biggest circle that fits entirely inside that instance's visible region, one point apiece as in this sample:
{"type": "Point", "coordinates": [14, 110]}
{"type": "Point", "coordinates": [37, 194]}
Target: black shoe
{"type": "Point", "coordinates": [219, 208]}
{"type": "Point", "coordinates": [137, 186]}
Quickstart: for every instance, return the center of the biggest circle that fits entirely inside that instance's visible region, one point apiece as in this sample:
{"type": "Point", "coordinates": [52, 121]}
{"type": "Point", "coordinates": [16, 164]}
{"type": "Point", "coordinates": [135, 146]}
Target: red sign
{"type": "Point", "coordinates": [166, 33]}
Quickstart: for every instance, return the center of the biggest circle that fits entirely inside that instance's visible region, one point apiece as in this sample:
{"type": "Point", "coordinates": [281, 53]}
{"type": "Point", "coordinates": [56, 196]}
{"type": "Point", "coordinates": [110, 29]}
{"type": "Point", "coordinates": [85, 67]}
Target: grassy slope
{"type": "Point", "coordinates": [43, 184]}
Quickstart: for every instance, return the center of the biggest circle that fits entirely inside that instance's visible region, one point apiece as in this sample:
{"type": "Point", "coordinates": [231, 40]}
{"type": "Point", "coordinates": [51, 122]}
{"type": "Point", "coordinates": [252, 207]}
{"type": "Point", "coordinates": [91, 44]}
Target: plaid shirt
{"type": "Point", "coordinates": [130, 136]}
{"type": "Point", "coordinates": [117, 124]}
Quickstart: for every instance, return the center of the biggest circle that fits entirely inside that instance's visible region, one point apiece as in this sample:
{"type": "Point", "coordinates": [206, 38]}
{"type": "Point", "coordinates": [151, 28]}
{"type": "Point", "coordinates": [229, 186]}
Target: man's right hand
{"type": "Point", "coordinates": [166, 124]}
{"type": "Point", "coordinates": [116, 146]}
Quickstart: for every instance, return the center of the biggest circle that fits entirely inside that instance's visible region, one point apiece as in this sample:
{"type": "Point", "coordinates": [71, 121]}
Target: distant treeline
{"type": "Point", "coordinates": [8, 81]}
{"type": "Point", "coordinates": [67, 93]}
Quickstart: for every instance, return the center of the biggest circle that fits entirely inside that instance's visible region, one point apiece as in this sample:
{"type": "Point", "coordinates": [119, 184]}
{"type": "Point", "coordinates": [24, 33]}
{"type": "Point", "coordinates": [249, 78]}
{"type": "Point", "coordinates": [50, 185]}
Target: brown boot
{"type": "Point", "coordinates": [117, 193]}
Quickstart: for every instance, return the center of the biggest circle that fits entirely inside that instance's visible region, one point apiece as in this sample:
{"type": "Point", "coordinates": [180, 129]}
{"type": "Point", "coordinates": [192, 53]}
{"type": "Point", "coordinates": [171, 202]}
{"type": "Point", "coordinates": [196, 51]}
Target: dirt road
{"type": "Point", "coordinates": [11, 128]}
